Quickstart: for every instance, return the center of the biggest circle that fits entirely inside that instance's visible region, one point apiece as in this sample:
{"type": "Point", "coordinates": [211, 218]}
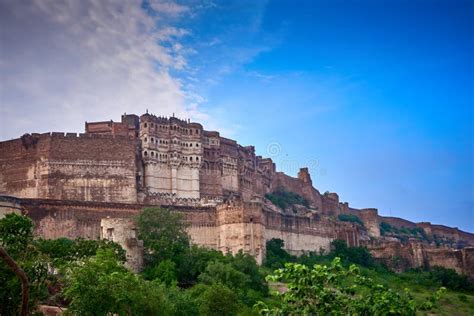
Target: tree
{"type": "Point", "coordinates": [16, 236]}
{"type": "Point", "coordinates": [101, 285]}
{"type": "Point", "coordinates": [217, 299]}
{"type": "Point", "coordinates": [164, 272]}
{"type": "Point", "coordinates": [335, 290]}
{"type": "Point", "coordinates": [224, 273]}
{"type": "Point", "coordinates": [25, 287]}
{"type": "Point", "coordinates": [163, 233]}
{"type": "Point", "coordinates": [193, 262]}
{"type": "Point", "coordinates": [358, 255]}
{"type": "Point", "coordinates": [62, 251]}
{"type": "Point", "coordinates": [16, 233]}
{"type": "Point", "coordinates": [276, 256]}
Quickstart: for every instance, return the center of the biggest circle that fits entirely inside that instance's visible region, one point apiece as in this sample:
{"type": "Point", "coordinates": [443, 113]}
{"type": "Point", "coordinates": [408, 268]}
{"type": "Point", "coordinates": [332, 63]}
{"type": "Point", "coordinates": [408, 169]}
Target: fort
{"type": "Point", "coordinates": [92, 184]}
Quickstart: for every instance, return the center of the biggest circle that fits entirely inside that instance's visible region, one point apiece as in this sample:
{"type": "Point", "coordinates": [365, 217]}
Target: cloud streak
{"type": "Point", "coordinates": [64, 62]}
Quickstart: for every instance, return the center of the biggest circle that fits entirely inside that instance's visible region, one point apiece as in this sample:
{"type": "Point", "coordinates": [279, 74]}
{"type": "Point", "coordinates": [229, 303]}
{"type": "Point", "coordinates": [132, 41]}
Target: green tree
{"type": "Point", "coordinates": [192, 262]}
{"type": "Point", "coordinates": [276, 256]}
{"type": "Point", "coordinates": [224, 273]}
{"type": "Point", "coordinates": [246, 264]}
{"type": "Point", "coordinates": [358, 255]}
{"type": "Point", "coordinates": [217, 299]}
{"type": "Point", "coordinates": [16, 236]}
{"type": "Point", "coordinates": [164, 272]}
{"type": "Point", "coordinates": [16, 233]}
{"type": "Point", "coordinates": [163, 233]}
{"type": "Point", "coordinates": [101, 285]}
{"type": "Point", "coordinates": [62, 251]}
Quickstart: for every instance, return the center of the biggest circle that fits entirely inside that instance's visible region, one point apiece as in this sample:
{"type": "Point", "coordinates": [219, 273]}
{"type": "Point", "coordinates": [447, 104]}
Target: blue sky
{"type": "Point", "coordinates": [375, 97]}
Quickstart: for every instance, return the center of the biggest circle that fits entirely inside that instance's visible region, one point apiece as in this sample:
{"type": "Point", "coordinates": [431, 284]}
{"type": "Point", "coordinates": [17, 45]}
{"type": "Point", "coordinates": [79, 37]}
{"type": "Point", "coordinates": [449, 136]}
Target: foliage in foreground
{"type": "Point", "coordinates": [191, 280]}
{"type": "Point", "coordinates": [101, 285]}
{"type": "Point", "coordinates": [335, 290]}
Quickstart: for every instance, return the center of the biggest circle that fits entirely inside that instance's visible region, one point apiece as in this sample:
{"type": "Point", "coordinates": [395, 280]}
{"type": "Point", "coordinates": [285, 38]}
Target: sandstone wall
{"type": "Point", "coordinates": [69, 167]}
{"type": "Point", "coordinates": [413, 254]}
{"type": "Point", "coordinates": [123, 231]}
{"type": "Point", "coordinates": [298, 186]}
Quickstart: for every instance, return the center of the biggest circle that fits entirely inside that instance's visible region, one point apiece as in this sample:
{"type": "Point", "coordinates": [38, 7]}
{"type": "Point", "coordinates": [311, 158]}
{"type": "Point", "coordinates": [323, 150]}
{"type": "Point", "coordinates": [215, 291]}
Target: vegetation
{"type": "Point", "coordinates": [350, 218]}
{"type": "Point", "coordinates": [88, 278]}
{"type": "Point", "coordinates": [284, 199]}
{"type": "Point", "coordinates": [335, 290]}
{"type": "Point", "coordinates": [403, 233]}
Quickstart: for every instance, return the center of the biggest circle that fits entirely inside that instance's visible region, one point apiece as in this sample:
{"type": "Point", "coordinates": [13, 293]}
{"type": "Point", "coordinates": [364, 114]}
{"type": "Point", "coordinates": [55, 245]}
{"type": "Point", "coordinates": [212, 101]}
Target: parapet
{"type": "Point", "coordinates": [76, 135]}
{"type": "Point", "coordinates": [369, 211]}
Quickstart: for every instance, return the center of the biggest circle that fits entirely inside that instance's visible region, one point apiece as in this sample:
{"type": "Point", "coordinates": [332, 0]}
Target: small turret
{"type": "Point", "coordinates": [304, 176]}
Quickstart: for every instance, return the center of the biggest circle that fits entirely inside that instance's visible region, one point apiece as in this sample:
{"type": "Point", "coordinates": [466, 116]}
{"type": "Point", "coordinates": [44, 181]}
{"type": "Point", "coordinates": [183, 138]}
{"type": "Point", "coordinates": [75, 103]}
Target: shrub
{"type": "Point", "coordinates": [350, 218]}
{"type": "Point", "coordinates": [282, 198]}
{"type": "Point", "coordinates": [357, 255]}
{"type": "Point", "coordinates": [334, 290]}
{"type": "Point", "coordinates": [450, 279]}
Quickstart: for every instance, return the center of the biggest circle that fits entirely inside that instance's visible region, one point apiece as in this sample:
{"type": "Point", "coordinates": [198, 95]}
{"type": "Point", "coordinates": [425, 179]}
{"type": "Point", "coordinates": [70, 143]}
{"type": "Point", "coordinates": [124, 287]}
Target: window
{"type": "Point", "coordinates": [190, 158]}
{"type": "Point", "coordinates": [197, 158]}
{"type": "Point", "coordinates": [145, 153]}
{"type": "Point", "coordinates": [152, 140]}
{"type": "Point", "coordinates": [152, 154]}
{"type": "Point", "coordinates": [146, 139]}
{"type": "Point", "coordinates": [110, 234]}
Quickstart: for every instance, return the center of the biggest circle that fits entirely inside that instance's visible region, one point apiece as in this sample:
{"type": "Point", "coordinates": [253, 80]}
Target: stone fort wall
{"type": "Point", "coordinates": [70, 167]}
{"type": "Point", "coordinates": [230, 227]}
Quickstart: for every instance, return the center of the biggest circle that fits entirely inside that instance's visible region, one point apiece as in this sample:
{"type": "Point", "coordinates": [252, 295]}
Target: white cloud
{"type": "Point", "coordinates": [168, 7]}
{"type": "Point", "coordinates": [65, 62]}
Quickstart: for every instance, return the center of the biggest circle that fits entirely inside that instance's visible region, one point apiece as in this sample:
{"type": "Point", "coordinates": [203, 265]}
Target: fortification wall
{"type": "Point", "coordinates": [298, 186]}
{"type": "Point", "coordinates": [413, 254]}
{"type": "Point", "coordinates": [69, 167]}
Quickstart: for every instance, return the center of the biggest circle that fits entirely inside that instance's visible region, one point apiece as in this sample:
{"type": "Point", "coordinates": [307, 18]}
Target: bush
{"type": "Point", "coordinates": [350, 218]}
{"type": "Point", "coordinates": [450, 279]}
{"type": "Point", "coordinates": [357, 255]}
{"type": "Point", "coordinates": [334, 290]}
{"type": "Point", "coordinates": [283, 198]}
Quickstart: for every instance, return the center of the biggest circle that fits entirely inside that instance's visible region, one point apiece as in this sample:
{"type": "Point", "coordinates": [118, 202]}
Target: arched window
{"type": "Point", "coordinates": [197, 159]}
{"type": "Point", "coordinates": [145, 125]}
{"type": "Point", "coordinates": [145, 153]}
{"type": "Point", "coordinates": [152, 154]}
{"type": "Point", "coordinates": [190, 158]}
{"type": "Point", "coordinates": [152, 140]}
{"type": "Point", "coordinates": [146, 139]}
